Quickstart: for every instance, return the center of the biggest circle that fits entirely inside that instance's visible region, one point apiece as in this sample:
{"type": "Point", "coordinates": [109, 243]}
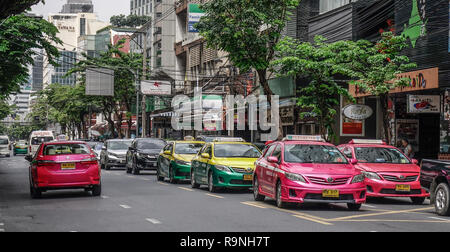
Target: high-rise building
{"type": "Point", "coordinates": [142, 7]}
{"type": "Point", "coordinates": [78, 6]}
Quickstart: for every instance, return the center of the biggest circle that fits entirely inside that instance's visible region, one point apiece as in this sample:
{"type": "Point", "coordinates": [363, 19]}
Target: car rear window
{"type": "Point", "coordinates": [66, 149]}
{"type": "Point", "coordinates": [39, 140]}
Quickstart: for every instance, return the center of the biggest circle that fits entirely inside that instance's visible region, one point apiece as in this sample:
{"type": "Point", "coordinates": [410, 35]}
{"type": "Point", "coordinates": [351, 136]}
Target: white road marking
{"type": "Point", "coordinates": [442, 219]}
{"type": "Point", "coordinates": [154, 221]}
{"type": "Point", "coordinates": [369, 206]}
{"type": "Point", "coordinates": [187, 189]}
{"type": "Point", "coordinates": [212, 195]}
{"type": "Point", "coordinates": [2, 230]}
{"type": "Point", "coordinates": [125, 206]}
{"type": "Point", "coordinates": [104, 197]}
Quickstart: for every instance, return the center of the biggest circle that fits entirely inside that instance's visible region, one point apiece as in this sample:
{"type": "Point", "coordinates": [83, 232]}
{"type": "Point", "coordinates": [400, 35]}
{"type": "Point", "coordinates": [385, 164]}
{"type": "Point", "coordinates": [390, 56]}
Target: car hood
{"type": "Point", "coordinates": [374, 167]}
{"type": "Point", "coordinates": [236, 162]}
{"type": "Point", "coordinates": [321, 169]}
{"type": "Point", "coordinates": [184, 157]}
{"type": "Point", "coordinates": [150, 151]}
{"type": "Point", "coordinates": [118, 152]}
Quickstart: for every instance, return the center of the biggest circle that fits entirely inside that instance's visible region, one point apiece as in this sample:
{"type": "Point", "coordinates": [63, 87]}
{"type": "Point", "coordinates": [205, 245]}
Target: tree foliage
{"type": "Point", "coordinates": [8, 7]}
{"type": "Point", "coordinates": [318, 63]}
{"type": "Point", "coordinates": [20, 39]}
{"type": "Point", "coordinates": [248, 31]}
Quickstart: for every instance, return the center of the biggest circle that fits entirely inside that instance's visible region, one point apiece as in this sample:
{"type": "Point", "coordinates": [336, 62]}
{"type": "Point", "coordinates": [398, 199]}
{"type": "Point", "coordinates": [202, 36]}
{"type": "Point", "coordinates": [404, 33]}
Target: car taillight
{"type": "Point", "coordinates": [89, 161]}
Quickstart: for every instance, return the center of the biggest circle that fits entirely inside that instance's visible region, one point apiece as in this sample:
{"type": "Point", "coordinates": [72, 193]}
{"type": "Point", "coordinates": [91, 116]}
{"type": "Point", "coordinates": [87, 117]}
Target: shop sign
{"type": "Point", "coordinates": [424, 104]}
{"type": "Point", "coordinates": [156, 87]}
{"type": "Point", "coordinates": [195, 13]}
{"type": "Point", "coordinates": [357, 111]}
{"type": "Point", "coordinates": [419, 80]}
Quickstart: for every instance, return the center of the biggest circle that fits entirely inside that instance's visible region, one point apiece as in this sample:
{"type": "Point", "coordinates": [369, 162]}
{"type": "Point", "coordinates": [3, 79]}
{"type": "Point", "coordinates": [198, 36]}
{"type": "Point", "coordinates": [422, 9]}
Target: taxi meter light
{"type": "Point", "coordinates": [228, 139]}
{"type": "Point", "coordinates": [188, 138]}
{"type": "Point", "coordinates": [303, 138]}
{"type": "Point", "coordinates": [366, 141]}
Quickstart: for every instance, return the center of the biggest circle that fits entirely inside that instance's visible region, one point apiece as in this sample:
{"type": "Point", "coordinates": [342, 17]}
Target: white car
{"type": "Point", "coordinates": [5, 146]}
{"type": "Point", "coordinates": [38, 137]}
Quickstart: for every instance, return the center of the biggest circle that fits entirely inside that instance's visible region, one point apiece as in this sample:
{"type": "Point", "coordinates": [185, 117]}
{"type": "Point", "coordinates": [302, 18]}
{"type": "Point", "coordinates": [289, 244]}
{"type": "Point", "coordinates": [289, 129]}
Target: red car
{"type": "Point", "coordinates": [389, 173]}
{"type": "Point", "coordinates": [64, 165]}
{"type": "Point", "coordinates": [302, 169]}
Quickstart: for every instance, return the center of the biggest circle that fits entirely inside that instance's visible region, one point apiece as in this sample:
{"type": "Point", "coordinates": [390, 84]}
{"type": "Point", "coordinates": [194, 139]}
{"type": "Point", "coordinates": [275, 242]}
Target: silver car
{"type": "Point", "coordinates": [114, 153]}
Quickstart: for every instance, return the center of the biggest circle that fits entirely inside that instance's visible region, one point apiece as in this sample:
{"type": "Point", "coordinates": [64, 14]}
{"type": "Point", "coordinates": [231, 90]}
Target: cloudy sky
{"type": "Point", "coordinates": [104, 8]}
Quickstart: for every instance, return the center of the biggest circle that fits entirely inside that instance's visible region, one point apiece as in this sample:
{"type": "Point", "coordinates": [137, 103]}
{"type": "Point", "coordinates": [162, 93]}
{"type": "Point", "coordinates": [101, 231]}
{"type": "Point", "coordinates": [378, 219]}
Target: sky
{"type": "Point", "coordinates": [104, 8]}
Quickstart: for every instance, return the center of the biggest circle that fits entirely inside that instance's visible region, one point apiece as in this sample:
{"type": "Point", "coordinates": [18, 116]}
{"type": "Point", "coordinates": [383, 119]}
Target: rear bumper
{"type": "Point", "coordinates": [21, 151]}
{"type": "Point", "coordinates": [67, 180]}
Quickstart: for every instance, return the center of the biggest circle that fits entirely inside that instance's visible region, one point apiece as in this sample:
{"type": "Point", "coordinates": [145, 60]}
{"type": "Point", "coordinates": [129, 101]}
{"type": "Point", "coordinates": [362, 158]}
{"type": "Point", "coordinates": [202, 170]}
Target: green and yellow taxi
{"type": "Point", "coordinates": [224, 163]}
{"type": "Point", "coordinates": [21, 147]}
{"type": "Point", "coordinates": [174, 161]}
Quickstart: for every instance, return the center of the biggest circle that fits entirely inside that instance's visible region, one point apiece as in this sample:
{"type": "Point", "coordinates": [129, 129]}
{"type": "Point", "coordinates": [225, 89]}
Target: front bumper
{"type": "Point", "coordinates": [228, 179]}
{"type": "Point", "coordinates": [147, 163]}
{"type": "Point", "coordinates": [383, 188]}
{"type": "Point", "coordinates": [312, 193]}
{"type": "Point", "coordinates": [181, 172]}
{"type": "Point", "coordinates": [117, 162]}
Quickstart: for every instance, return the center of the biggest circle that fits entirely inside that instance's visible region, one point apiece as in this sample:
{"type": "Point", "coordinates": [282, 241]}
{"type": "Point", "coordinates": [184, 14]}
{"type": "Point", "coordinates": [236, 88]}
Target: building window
{"type": "Point", "coordinates": [328, 5]}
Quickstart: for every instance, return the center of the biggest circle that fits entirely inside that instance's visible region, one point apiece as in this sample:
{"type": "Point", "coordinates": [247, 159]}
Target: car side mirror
{"type": "Point", "coordinates": [205, 155]}
{"type": "Point", "coordinates": [272, 159]}
{"type": "Point", "coordinates": [353, 161]}
{"type": "Point", "coordinates": [167, 152]}
{"type": "Point", "coordinates": [29, 158]}
{"type": "Point", "coordinates": [415, 161]}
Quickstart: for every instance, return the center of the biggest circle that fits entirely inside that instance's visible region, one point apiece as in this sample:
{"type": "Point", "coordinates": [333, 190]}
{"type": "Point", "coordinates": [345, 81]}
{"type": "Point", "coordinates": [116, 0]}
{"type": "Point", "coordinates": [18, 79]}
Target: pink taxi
{"type": "Point", "coordinates": [64, 165]}
{"type": "Point", "coordinates": [388, 172]}
{"type": "Point", "coordinates": [302, 169]}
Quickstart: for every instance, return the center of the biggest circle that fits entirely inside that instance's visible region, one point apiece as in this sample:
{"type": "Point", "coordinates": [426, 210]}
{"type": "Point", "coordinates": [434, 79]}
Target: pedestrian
{"type": "Point", "coordinates": [407, 148]}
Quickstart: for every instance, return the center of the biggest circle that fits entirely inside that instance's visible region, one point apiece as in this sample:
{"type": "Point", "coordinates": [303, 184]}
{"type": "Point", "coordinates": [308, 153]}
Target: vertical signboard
{"type": "Point", "coordinates": [195, 13]}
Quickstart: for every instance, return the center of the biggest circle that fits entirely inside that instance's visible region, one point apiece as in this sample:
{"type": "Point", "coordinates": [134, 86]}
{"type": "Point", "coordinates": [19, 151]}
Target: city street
{"type": "Point", "coordinates": [140, 203]}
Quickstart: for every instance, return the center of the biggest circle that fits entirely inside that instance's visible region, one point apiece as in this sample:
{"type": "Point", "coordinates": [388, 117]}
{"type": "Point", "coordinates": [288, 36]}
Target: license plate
{"type": "Point", "coordinates": [330, 193]}
{"type": "Point", "coordinates": [68, 166]}
{"type": "Point", "coordinates": [248, 176]}
{"type": "Point", "coordinates": [403, 188]}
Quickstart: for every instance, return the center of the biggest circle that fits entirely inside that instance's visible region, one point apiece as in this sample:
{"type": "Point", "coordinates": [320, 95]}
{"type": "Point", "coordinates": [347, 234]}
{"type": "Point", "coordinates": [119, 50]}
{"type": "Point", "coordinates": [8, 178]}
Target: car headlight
{"type": "Point", "coordinates": [371, 175]}
{"type": "Point", "coordinates": [182, 162]}
{"type": "Point", "coordinates": [295, 177]}
{"type": "Point", "coordinates": [223, 168]}
{"type": "Point", "coordinates": [358, 178]}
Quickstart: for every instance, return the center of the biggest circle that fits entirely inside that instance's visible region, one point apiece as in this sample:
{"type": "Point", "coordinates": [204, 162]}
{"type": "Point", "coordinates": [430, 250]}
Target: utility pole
{"type": "Point", "coordinates": [144, 77]}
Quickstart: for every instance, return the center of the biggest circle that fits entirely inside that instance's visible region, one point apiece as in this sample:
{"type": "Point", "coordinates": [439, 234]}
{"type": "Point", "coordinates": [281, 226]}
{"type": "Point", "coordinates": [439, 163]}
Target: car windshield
{"type": "Point", "coordinates": [3, 141]}
{"type": "Point", "coordinates": [236, 151]}
{"type": "Point", "coordinates": [119, 145]}
{"type": "Point", "coordinates": [188, 148]}
{"type": "Point", "coordinates": [98, 146]}
{"type": "Point", "coordinates": [320, 154]}
{"type": "Point", "coordinates": [39, 140]}
{"type": "Point", "coordinates": [151, 144]}
{"type": "Point", "coordinates": [66, 149]}
{"type": "Point", "coordinates": [380, 155]}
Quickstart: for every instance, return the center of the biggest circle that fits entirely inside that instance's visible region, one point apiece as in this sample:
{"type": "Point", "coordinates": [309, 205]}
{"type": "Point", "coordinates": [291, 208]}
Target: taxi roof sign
{"type": "Point", "coordinates": [188, 138]}
{"type": "Point", "coordinates": [304, 138]}
{"type": "Point", "coordinates": [228, 139]}
{"type": "Point", "coordinates": [366, 141]}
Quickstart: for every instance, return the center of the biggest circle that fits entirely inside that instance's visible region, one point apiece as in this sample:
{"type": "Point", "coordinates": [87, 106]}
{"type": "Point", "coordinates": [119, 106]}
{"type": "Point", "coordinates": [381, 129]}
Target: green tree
{"type": "Point", "coordinates": [8, 7]}
{"type": "Point", "coordinates": [20, 39]}
{"type": "Point", "coordinates": [319, 63]}
{"type": "Point", "coordinates": [248, 31]}
{"type": "Point", "coordinates": [124, 83]}
{"type": "Point", "coordinates": [5, 109]}
{"type": "Point", "coordinates": [375, 69]}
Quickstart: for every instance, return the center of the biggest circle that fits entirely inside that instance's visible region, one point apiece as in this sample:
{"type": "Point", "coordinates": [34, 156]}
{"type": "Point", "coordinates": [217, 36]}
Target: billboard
{"type": "Point", "coordinates": [195, 13]}
{"type": "Point", "coordinates": [100, 82]}
{"type": "Point", "coordinates": [156, 88]}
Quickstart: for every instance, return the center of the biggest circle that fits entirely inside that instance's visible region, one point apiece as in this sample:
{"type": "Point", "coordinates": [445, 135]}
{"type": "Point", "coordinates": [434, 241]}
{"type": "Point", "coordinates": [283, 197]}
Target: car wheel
{"type": "Point", "coordinates": [417, 200]}
{"type": "Point", "coordinates": [135, 168]}
{"type": "Point", "coordinates": [256, 195]}
{"type": "Point", "coordinates": [97, 190]}
{"type": "Point", "coordinates": [193, 183]}
{"type": "Point", "coordinates": [441, 203]}
{"type": "Point", "coordinates": [172, 180]}
{"type": "Point", "coordinates": [35, 193]}
{"type": "Point", "coordinates": [353, 206]}
{"type": "Point", "coordinates": [279, 201]}
{"type": "Point", "coordinates": [211, 187]}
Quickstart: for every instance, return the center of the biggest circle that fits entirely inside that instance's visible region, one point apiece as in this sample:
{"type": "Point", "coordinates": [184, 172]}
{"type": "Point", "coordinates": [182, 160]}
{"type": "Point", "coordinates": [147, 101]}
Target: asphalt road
{"type": "Point", "coordinates": [140, 203]}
